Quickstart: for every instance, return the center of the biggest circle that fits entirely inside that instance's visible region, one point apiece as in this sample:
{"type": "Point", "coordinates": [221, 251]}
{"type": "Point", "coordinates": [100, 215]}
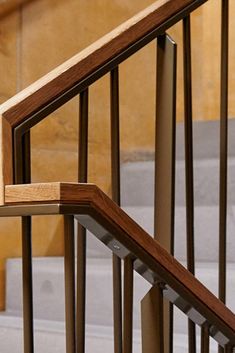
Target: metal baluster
{"type": "Point", "coordinates": [165, 163]}
{"type": "Point", "coordinates": [81, 238]}
{"type": "Point", "coordinates": [205, 340]}
{"type": "Point", "coordinates": [152, 321]}
{"type": "Point", "coordinates": [27, 285]}
{"type": "Point", "coordinates": [115, 174]}
{"type": "Point", "coordinates": [161, 314]}
{"type": "Point", "coordinates": [128, 306]}
{"type": "Point", "coordinates": [22, 175]}
{"type": "Point", "coordinates": [189, 164]}
{"type": "Point", "coordinates": [164, 207]}
{"type": "Point", "coordinates": [223, 151]}
{"type": "Point", "coordinates": [69, 270]}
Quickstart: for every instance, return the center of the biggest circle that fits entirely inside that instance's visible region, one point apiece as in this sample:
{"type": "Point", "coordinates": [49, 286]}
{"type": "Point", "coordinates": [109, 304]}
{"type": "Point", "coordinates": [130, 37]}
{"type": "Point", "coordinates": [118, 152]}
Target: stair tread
{"type": "Point", "coordinates": [50, 337]}
{"type": "Point", "coordinates": [49, 289]}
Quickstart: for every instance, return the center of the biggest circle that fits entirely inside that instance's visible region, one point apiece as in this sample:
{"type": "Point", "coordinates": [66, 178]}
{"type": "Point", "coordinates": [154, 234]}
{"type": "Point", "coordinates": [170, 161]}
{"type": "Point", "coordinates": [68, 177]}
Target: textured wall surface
{"type": "Point", "coordinates": [41, 35]}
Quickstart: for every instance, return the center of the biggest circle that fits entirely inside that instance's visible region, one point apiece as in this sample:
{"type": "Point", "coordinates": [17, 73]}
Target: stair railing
{"type": "Point", "coordinates": [74, 77]}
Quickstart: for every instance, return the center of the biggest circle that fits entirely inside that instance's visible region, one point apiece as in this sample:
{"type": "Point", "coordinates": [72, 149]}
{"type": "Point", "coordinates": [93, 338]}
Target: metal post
{"type": "Point", "coordinates": [188, 120]}
{"type": "Point", "coordinates": [115, 175]}
{"type": "Point", "coordinates": [223, 151]}
{"type": "Point", "coordinates": [69, 271]}
{"type": "Point", "coordinates": [81, 237]}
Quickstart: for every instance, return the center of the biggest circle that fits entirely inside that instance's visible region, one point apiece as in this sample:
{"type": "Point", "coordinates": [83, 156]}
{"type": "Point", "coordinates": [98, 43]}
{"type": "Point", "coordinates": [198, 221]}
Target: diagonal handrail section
{"type": "Point", "coordinates": [40, 99]}
{"type": "Point", "coordinates": [98, 213]}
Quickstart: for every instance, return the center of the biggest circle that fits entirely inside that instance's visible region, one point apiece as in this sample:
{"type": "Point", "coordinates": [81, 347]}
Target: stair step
{"type": "Point", "coordinates": [49, 290]}
{"type": "Point", "coordinates": [206, 230]}
{"type": "Point", "coordinates": [48, 286]}
{"type": "Point", "coordinates": [137, 179]}
{"type": "Point", "coordinates": [50, 337]}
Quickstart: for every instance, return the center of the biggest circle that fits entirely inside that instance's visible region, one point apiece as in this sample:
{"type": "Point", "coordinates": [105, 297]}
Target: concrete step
{"type": "Point", "coordinates": [206, 230]}
{"type": "Point", "coordinates": [137, 180]}
{"type": "Point", "coordinates": [48, 285]}
{"type": "Point", "coordinates": [49, 337]}
{"type": "Point", "coordinates": [49, 290]}
{"type": "Point", "coordinates": [137, 177]}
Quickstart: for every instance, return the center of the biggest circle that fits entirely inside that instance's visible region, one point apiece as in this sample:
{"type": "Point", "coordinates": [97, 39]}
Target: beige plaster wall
{"type": "Point", "coordinates": [42, 34]}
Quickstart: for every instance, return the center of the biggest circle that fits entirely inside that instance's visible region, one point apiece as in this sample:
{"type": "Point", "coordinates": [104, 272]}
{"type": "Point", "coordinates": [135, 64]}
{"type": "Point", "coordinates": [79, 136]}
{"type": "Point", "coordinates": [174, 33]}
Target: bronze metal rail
{"type": "Point", "coordinates": [81, 232]}
{"type": "Point", "coordinates": [69, 277]}
{"type": "Point", "coordinates": [223, 150]}
{"type": "Point", "coordinates": [23, 175]}
{"type": "Point", "coordinates": [165, 131]}
{"type": "Point", "coordinates": [189, 185]}
{"type": "Point", "coordinates": [116, 196]}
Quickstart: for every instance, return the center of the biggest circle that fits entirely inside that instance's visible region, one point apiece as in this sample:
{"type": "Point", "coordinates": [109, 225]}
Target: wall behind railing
{"type": "Point", "coordinates": [33, 40]}
{"type": "Point", "coordinates": [42, 34]}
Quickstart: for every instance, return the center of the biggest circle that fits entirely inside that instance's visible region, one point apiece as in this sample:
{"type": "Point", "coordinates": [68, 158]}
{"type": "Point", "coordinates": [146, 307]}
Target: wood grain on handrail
{"type": "Point", "coordinates": [134, 238]}
{"type": "Point", "coordinates": [65, 76]}
{"type": "Point", "coordinates": [53, 85]}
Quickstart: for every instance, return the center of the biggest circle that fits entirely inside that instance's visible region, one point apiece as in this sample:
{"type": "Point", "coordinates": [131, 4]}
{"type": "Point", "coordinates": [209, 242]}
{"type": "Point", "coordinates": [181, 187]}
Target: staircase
{"type": "Point", "coordinates": [48, 273]}
{"type": "Point", "coordinates": [117, 323]}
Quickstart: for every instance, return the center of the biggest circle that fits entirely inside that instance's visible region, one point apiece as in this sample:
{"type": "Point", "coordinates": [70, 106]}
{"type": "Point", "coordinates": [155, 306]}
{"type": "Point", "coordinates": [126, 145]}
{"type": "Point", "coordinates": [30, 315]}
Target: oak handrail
{"type": "Point", "coordinates": [89, 200]}
{"type": "Point", "coordinates": [67, 80]}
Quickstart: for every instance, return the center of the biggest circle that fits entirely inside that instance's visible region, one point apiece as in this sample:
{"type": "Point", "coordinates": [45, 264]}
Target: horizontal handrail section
{"type": "Point", "coordinates": [31, 105]}
{"type": "Point", "coordinates": [98, 213]}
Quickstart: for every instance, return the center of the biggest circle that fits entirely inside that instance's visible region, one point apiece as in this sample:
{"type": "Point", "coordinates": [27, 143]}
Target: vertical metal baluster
{"type": "Point", "coordinates": [115, 174]}
{"type": "Point", "coordinates": [69, 271]}
{"type": "Point", "coordinates": [128, 306]}
{"type": "Point", "coordinates": [152, 321]}
{"type": "Point", "coordinates": [27, 285]}
{"type": "Point", "coordinates": [164, 205]}
{"type": "Point", "coordinates": [189, 164]}
{"type": "Point", "coordinates": [205, 340]}
{"type": "Point", "coordinates": [81, 239]}
{"type": "Point", "coordinates": [223, 151]}
{"type": "Point", "coordinates": [22, 175]}
{"type": "Point", "coordinates": [157, 314]}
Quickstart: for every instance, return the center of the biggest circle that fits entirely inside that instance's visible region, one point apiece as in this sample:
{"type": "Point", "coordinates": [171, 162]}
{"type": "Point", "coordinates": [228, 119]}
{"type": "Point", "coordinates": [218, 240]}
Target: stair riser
{"type": "Point", "coordinates": [49, 339]}
{"type": "Point", "coordinates": [206, 231]}
{"type": "Point", "coordinates": [138, 183]}
{"type": "Point", "coordinates": [49, 291]}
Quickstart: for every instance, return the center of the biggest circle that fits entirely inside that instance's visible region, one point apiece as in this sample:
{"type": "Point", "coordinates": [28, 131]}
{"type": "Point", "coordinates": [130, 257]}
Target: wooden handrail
{"type": "Point", "coordinates": [64, 82]}
{"type": "Point", "coordinates": [80, 66]}
{"type": "Point", "coordinates": [88, 200]}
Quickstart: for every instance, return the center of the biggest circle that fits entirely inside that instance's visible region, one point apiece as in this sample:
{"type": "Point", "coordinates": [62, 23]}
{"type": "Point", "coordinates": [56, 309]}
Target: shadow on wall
{"type": "Point", "coordinates": [10, 5]}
